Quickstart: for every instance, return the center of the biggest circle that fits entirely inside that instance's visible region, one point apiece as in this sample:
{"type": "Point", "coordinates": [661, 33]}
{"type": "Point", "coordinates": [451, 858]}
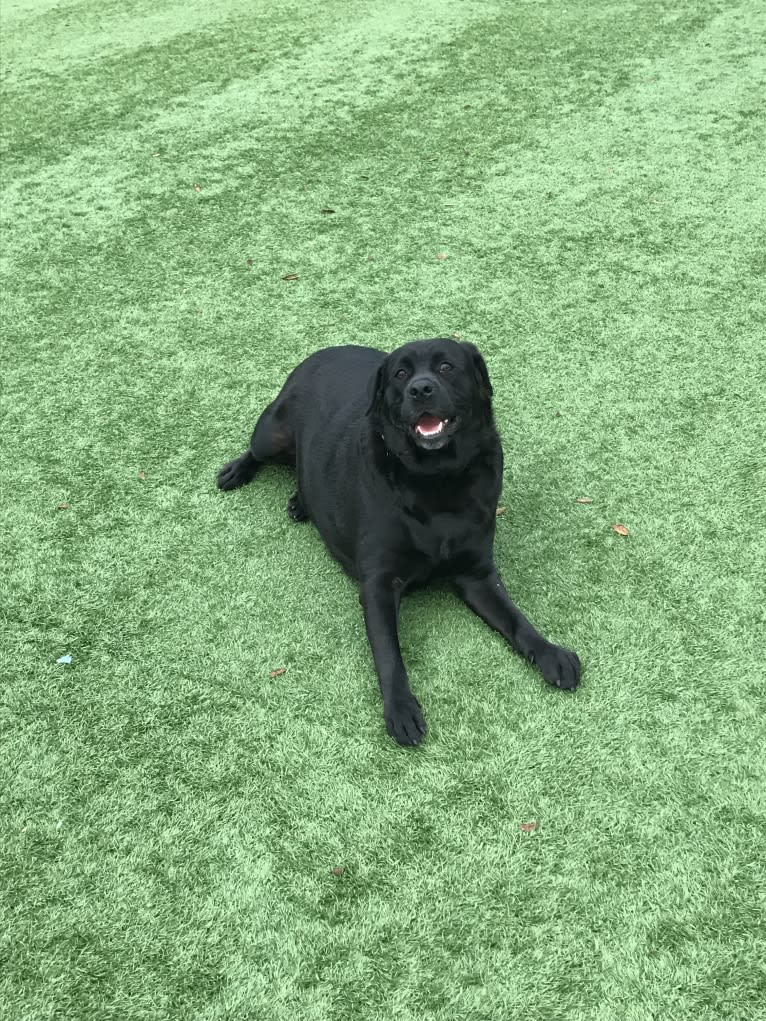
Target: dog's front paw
{"type": "Point", "coordinates": [404, 719]}
{"type": "Point", "coordinates": [559, 666]}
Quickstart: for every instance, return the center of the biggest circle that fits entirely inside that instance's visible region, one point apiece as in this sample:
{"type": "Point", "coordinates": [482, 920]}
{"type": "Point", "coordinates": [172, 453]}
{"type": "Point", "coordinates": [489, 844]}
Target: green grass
{"type": "Point", "coordinates": [170, 814]}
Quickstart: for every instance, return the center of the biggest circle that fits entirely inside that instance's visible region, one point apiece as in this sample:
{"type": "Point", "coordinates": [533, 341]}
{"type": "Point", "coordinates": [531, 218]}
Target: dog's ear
{"type": "Point", "coordinates": [377, 387]}
{"type": "Point", "coordinates": [480, 370]}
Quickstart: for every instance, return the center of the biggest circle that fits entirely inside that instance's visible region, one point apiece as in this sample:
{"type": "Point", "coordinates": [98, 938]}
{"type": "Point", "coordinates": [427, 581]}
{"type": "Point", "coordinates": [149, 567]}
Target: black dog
{"type": "Point", "coordinates": [399, 466]}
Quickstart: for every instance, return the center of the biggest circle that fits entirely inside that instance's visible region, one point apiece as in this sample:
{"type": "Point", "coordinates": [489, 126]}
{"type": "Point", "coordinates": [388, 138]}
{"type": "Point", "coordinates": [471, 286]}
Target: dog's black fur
{"type": "Point", "coordinates": [399, 466]}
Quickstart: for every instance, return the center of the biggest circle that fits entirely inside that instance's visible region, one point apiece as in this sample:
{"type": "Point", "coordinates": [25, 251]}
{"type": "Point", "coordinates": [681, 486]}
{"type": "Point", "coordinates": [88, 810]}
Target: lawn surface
{"type": "Point", "coordinates": [171, 814]}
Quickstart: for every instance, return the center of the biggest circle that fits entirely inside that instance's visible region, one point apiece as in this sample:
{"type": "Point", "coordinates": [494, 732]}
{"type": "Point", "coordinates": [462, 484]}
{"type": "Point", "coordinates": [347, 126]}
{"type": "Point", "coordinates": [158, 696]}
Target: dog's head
{"type": "Point", "coordinates": [431, 396]}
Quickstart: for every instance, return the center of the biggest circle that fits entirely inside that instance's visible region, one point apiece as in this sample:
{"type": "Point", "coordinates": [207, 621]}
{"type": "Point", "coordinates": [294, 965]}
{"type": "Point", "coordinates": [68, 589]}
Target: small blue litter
{"type": "Point", "coordinates": [64, 659]}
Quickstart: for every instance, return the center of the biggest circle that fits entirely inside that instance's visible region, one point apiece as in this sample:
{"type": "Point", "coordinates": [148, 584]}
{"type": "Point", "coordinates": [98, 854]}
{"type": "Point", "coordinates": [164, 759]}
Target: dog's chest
{"type": "Point", "coordinates": [442, 535]}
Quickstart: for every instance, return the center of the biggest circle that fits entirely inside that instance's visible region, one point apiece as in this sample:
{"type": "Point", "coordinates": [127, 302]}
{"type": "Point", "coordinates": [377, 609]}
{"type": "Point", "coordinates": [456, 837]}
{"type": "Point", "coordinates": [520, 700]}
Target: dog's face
{"type": "Point", "coordinates": [431, 395]}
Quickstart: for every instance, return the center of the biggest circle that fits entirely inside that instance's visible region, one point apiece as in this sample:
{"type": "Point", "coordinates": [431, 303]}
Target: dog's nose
{"type": "Point", "coordinates": [421, 387]}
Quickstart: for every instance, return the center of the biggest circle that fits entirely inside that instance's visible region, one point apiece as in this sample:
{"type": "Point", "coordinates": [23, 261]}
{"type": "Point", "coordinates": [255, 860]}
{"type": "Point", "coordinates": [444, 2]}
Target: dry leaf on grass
{"type": "Point", "coordinates": [62, 506]}
{"type": "Point", "coordinates": [441, 256]}
{"type": "Point", "coordinates": [142, 475]}
{"type": "Point", "coordinates": [499, 511]}
{"type": "Point", "coordinates": [583, 499]}
{"type": "Point", "coordinates": [620, 529]}
{"type": "Point", "coordinates": [338, 870]}
{"type": "Point", "coordinates": [278, 672]}
{"type": "Point", "coordinates": [290, 276]}
{"type": "Point", "coordinates": [528, 827]}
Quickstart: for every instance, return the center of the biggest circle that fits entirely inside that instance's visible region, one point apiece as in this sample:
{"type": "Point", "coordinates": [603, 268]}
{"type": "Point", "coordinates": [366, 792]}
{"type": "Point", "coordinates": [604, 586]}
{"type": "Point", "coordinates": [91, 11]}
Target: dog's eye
{"type": "Point", "coordinates": [401, 373]}
{"type": "Point", "coordinates": [445, 367]}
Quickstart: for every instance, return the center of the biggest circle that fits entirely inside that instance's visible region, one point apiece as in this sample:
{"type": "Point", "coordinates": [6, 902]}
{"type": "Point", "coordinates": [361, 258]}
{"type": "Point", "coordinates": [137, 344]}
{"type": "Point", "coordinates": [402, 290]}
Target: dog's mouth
{"type": "Point", "coordinates": [433, 432]}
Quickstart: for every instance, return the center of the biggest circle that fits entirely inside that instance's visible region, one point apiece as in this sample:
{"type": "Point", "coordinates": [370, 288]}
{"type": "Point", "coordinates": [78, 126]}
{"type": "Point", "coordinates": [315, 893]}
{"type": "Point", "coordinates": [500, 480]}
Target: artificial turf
{"type": "Point", "coordinates": [171, 813]}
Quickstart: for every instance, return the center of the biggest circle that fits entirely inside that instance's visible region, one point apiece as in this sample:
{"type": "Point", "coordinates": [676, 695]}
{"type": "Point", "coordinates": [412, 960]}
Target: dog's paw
{"type": "Point", "coordinates": [295, 509]}
{"type": "Point", "coordinates": [404, 719]}
{"type": "Point", "coordinates": [237, 472]}
{"type": "Point", "coordinates": [559, 666]}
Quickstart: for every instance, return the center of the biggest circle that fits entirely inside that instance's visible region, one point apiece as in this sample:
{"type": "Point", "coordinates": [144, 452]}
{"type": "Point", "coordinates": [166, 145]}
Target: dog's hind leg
{"type": "Point", "coordinates": [237, 472]}
{"type": "Point", "coordinates": [295, 508]}
{"type": "Point", "coordinates": [272, 440]}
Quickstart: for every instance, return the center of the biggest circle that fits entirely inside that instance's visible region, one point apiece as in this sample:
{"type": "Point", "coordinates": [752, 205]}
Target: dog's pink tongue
{"type": "Point", "coordinates": [429, 424]}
